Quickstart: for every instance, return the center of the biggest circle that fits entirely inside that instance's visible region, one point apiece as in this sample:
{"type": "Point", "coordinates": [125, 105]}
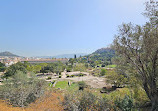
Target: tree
{"type": "Point", "coordinates": [21, 90]}
{"type": "Point", "coordinates": [118, 80]}
{"type": "Point", "coordinates": [14, 68]}
{"type": "Point", "coordinates": [75, 57]}
{"type": "Point", "coordinates": [103, 72]}
{"type": "Point", "coordinates": [71, 61]}
{"type": "Point", "coordinates": [137, 46]}
{"type": "Point", "coordinates": [81, 85]}
{"type": "Point", "coordinates": [2, 67]}
{"type": "Point", "coordinates": [80, 67]}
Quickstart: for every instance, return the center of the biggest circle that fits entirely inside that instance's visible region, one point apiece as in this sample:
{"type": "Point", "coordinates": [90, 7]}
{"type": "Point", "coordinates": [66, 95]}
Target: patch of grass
{"type": "Point", "coordinates": [73, 87]}
{"type": "Point", "coordinates": [64, 85]}
{"type": "Point", "coordinates": [61, 84]}
{"type": "Point", "coordinates": [110, 66]}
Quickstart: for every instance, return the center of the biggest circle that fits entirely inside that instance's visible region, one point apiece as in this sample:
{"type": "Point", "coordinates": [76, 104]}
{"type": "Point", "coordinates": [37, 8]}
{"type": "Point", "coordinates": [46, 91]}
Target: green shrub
{"type": "Point", "coordinates": [68, 69]}
{"type": "Point", "coordinates": [103, 72]}
{"type": "Point", "coordinates": [59, 76]}
{"type": "Point", "coordinates": [103, 65]}
{"type": "Point", "coordinates": [49, 78]}
{"type": "Point", "coordinates": [125, 104]}
{"type": "Point", "coordinates": [84, 101]}
{"type": "Point", "coordinates": [72, 75]}
{"type": "Point", "coordinates": [81, 75]}
{"type": "Point", "coordinates": [82, 85]}
{"type": "Point", "coordinates": [67, 76]}
{"type": "Point", "coordinates": [21, 90]}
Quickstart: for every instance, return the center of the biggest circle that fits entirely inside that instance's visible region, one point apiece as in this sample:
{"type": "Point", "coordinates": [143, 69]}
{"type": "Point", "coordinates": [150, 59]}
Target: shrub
{"type": "Point", "coordinates": [68, 69]}
{"type": "Point", "coordinates": [125, 104]}
{"type": "Point", "coordinates": [21, 90]}
{"type": "Point", "coordinates": [84, 101]}
{"type": "Point", "coordinates": [82, 85]}
{"type": "Point", "coordinates": [2, 69]}
{"type": "Point", "coordinates": [67, 76]}
{"type": "Point", "coordinates": [103, 72]}
{"type": "Point", "coordinates": [103, 65]}
{"type": "Point", "coordinates": [81, 75]}
{"type": "Point", "coordinates": [49, 78]}
{"type": "Point", "coordinates": [72, 75]}
{"type": "Point", "coordinates": [119, 80]}
{"type": "Point", "coordinates": [59, 76]}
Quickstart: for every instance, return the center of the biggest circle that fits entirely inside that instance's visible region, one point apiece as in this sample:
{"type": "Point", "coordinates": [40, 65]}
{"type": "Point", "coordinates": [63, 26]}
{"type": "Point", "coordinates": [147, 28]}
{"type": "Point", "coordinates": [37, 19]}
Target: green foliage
{"type": "Point", "coordinates": [73, 87]}
{"type": "Point", "coordinates": [125, 104]}
{"type": "Point", "coordinates": [80, 67]}
{"type": "Point", "coordinates": [103, 72]}
{"type": "Point", "coordinates": [71, 60]}
{"type": "Point", "coordinates": [96, 72]}
{"type": "Point", "coordinates": [103, 65]}
{"type": "Point", "coordinates": [21, 90]}
{"type": "Point", "coordinates": [61, 84]}
{"type": "Point", "coordinates": [75, 56]}
{"type": "Point", "coordinates": [137, 47]}
{"type": "Point", "coordinates": [56, 67]}
{"type": "Point", "coordinates": [14, 68]}
{"type": "Point", "coordinates": [67, 76]}
{"type": "Point", "coordinates": [69, 69]}
{"type": "Point", "coordinates": [119, 80]}
{"type": "Point", "coordinates": [84, 101]}
{"type": "Point", "coordinates": [139, 96]}
{"type": "Point", "coordinates": [59, 76]}
{"type": "Point", "coordinates": [34, 67]}
{"type": "Point", "coordinates": [82, 85]}
{"type": "Point", "coordinates": [72, 75]}
{"type": "Point", "coordinates": [81, 75]}
{"type": "Point", "coordinates": [2, 67]}
{"type": "Point", "coordinates": [49, 78]}
{"type": "Point", "coordinates": [101, 56]}
{"type": "Point", "coordinates": [110, 66]}
{"type": "Point", "coordinates": [119, 93]}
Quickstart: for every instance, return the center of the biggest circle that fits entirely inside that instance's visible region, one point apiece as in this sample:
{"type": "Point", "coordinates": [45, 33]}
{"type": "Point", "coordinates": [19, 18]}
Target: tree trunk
{"type": "Point", "coordinates": [154, 102]}
{"type": "Point", "coordinates": [153, 96]}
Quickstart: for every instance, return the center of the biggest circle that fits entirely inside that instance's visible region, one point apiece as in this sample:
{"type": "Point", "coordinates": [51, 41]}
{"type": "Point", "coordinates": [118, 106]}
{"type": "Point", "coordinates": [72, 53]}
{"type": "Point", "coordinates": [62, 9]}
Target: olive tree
{"type": "Point", "coordinates": [137, 46]}
{"type": "Point", "coordinates": [21, 90]}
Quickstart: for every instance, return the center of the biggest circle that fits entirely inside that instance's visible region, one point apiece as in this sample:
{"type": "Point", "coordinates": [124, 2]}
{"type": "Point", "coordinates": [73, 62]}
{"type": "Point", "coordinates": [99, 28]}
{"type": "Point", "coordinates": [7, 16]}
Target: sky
{"type": "Point", "coordinates": [54, 27]}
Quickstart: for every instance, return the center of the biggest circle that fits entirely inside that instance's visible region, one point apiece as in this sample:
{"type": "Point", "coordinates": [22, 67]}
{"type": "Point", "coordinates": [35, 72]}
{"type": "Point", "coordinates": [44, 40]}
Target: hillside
{"type": "Point", "coordinates": [103, 56]}
{"type": "Point", "coordinates": [8, 54]}
{"type": "Point", "coordinates": [105, 51]}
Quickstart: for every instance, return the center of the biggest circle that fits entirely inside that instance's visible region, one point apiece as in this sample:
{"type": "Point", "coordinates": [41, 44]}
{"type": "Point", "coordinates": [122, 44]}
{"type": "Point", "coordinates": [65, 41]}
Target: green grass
{"type": "Point", "coordinates": [110, 66]}
{"type": "Point", "coordinates": [73, 87]}
{"type": "Point", "coordinates": [61, 84]}
{"type": "Point", "coordinates": [64, 85]}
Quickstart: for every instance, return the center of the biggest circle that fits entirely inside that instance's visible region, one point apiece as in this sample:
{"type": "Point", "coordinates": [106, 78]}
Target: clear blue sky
{"type": "Point", "coordinates": [53, 27]}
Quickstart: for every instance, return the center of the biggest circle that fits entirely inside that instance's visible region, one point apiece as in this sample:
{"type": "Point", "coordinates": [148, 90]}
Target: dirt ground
{"type": "Point", "coordinates": [94, 82]}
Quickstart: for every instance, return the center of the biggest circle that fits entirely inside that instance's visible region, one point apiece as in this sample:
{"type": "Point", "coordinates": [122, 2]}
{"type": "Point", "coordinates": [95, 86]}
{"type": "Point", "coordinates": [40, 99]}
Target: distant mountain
{"type": "Point", "coordinates": [69, 55]}
{"type": "Point", "coordinates": [8, 54]}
